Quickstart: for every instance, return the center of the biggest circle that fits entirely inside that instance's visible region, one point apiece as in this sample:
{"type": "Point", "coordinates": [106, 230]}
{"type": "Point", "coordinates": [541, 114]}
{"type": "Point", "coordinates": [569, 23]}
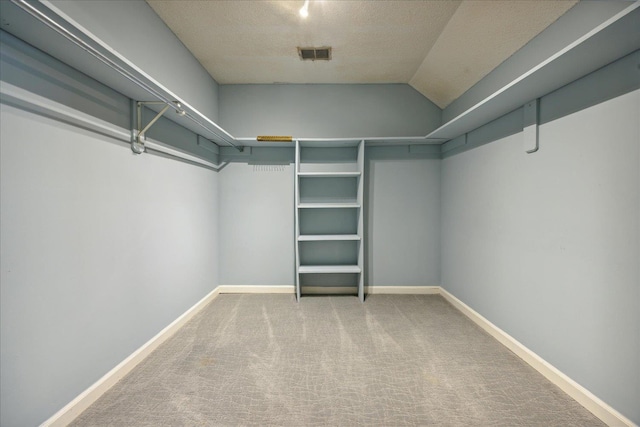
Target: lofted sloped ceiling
{"type": "Point", "coordinates": [439, 47]}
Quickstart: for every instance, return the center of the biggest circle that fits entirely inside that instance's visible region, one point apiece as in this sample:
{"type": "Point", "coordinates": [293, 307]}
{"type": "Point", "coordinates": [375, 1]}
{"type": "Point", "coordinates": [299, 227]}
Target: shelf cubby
{"type": "Point", "coordinates": [328, 252]}
{"type": "Point", "coordinates": [327, 221]}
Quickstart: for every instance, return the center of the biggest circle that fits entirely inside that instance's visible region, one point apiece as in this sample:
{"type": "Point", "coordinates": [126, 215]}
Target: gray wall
{"type": "Point", "coordinates": [101, 249]}
{"type": "Point", "coordinates": [256, 224]}
{"type": "Point", "coordinates": [326, 111]}
{"type": "Point", "coordinates": [546, 245]}
{"type": "Point", "coordinates": [403, 220]}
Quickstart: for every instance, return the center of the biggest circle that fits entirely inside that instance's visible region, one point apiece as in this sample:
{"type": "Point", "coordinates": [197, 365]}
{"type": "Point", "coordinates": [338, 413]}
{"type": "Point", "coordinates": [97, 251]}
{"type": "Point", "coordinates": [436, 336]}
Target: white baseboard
{"type": "Point", "coordinates": [74, 408]}
{"type": "Point", "coordinates": [251, 289]}
{"type": "Point", "coordinates": [329, 290]}
{"type": "Point", "coordinates": [402, 290]}
{"type": "Point", "coordinates": [583, 396]}
{"type": "Point", "coordinates": [319, 290]}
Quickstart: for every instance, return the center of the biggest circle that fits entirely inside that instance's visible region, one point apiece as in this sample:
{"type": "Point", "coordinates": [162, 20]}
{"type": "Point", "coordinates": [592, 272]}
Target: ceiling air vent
{"type": "Point", "coordinates": [315, 53]}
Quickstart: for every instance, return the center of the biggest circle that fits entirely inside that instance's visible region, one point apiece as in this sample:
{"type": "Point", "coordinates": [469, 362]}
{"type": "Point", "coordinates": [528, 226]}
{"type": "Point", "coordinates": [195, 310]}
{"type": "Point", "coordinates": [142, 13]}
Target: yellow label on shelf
{"type": "Point", "coordinates": [274, 138]}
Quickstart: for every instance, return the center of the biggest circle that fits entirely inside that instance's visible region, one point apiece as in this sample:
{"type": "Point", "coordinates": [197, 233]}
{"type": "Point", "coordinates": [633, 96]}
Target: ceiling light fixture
{"type": "Point", "coordinates": [304, 10]}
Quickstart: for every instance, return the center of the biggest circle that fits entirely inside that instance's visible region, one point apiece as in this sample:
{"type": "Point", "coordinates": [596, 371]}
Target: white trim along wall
{"type": "Point", "coordinates": [74, 408]}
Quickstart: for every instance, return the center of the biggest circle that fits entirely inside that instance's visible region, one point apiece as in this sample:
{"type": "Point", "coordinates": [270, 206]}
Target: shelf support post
{"type": "Point", "coordinates": [530, 126]}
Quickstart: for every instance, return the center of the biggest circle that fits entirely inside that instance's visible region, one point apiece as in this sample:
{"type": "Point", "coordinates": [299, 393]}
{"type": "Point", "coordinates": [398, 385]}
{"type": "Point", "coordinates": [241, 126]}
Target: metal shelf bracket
{"type": "Point", "coordinates": [137, 143]}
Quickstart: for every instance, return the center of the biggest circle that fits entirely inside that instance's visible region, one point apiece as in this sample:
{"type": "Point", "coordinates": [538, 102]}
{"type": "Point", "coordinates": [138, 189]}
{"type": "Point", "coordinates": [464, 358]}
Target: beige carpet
{"type": "Point", "coordinates": [401, 360]}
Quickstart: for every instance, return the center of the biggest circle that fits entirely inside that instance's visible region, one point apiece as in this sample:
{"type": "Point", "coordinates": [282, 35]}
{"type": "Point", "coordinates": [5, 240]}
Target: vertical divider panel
{"type": "Point", "coordinates": [361, 221]}
{"type": "Point", "coordinates": [297, 219]}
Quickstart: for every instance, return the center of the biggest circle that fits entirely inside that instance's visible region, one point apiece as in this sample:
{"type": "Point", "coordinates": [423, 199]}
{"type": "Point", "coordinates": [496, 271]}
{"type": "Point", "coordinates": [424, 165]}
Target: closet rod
{"type": "Point", "coordinates": [46, 20]}
{"type": "Point", "coordinates": [24, 99]}
{"type": "Point", "coordinates": [183, 156]}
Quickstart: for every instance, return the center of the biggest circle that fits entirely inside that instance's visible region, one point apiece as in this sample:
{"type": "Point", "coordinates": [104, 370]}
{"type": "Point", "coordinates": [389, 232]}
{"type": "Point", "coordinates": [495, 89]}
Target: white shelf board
{"type": "Point", "coordinates": [329, 142]}
{"type": "Point", "coordinates": [309, 269]}
{"type": "Point", "coordinates": [327, 205]}
{"type": "Point", "coordinates": [611, 40]}
{"type": "Point", "coordinates": [329, 174]}
{"type": "Point", "coordinates": [327, 167]}
{"type": "Point", "coordinates": [327, 237]}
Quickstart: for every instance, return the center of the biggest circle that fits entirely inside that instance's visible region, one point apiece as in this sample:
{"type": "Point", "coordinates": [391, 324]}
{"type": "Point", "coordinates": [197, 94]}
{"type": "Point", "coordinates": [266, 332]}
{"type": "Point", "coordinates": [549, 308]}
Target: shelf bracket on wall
{"type": "Point", "coordinates": [530, 126]}
{"type": "Point", "coordinates": [137, 142]}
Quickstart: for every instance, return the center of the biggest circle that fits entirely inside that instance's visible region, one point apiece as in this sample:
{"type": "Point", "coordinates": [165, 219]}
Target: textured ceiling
{"type": "Point", "coordinates": [441, 48]}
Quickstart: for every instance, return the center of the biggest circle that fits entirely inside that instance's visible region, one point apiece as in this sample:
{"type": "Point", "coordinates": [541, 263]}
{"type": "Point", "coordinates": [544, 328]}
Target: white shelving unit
{"type": "Point", "coordinates": [329, 185]}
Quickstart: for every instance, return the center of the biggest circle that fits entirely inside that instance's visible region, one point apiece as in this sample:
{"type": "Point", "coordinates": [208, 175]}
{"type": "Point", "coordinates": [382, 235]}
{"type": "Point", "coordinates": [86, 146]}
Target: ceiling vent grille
{"type": "Point", "coordinates": [314, 53]}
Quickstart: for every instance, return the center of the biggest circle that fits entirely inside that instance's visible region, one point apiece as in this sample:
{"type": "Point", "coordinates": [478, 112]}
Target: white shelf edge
{"type": "Point", "coordinates": [311, 269]}
{"type": "Point", "coordinates": [329, 174]}
{"type": "Point", "coordinates": [329, 142]}
{"type": "Point", "coordinates": [327, 237]}
{"type": "Point", "coordinates": [328, 205]}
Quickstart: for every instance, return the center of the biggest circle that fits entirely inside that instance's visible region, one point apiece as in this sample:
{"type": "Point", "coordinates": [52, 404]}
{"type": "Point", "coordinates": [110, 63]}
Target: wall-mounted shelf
{"type": "Point", "coordinates": [329, 190]}
{"type": "Point", "coordinates": [329, 174]}
{"type": "Point", "coordinates": [328, 205]}
{"type": "Point", "coordinates": [327, 237]}
{"type": "Point", "coordinates": [613, 39]}
{"type": "Point", "coordinates": [47, 27]}
{"type": "Point", "coordinates": [329, 269]}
